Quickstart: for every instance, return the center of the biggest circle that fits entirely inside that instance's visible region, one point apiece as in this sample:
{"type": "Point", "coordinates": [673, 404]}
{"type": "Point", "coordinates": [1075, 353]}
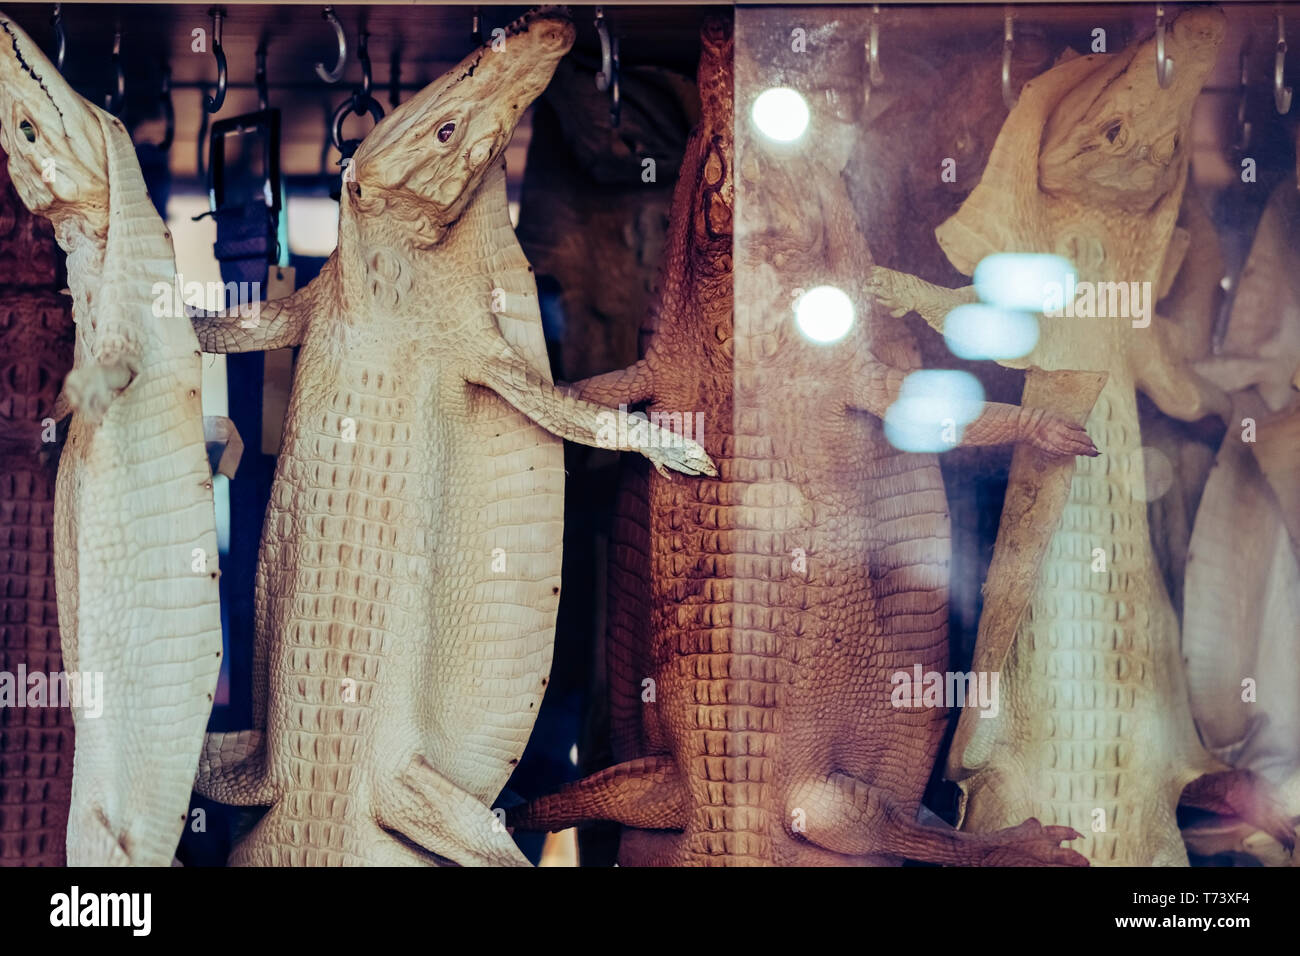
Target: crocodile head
{"type": "Point", "coordinates": [55, 143]}
{"type": "Point", "coordinates": [711, 218]}
{"type": "Point", "coordinates": [1119, 137]}
{"type": "Point", "coordinates": [428, 156]}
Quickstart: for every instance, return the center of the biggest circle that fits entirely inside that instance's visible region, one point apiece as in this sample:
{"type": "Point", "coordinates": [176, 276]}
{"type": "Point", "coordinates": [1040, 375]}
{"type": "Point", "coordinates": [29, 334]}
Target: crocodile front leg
{"type": "Point", "coordinates": [561, 412]}
{"type": "Point", "coordinates": [232, 769]}
{"type": "Point", "coordinates": [278, 324]}
{"type": "Point", "coordinates": [628, 386]}
{"type": "Point", "coordinates": [900, 293]}
{"type": "Point", "coordinates": [877, 387]}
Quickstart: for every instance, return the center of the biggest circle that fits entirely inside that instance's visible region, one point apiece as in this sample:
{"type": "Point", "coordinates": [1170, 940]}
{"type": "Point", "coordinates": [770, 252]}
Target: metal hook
{"type": "Point", "coordinates": [214, 103]}
{"type": "Point", "coordinates": [336, 74]}
{"type": "Point", "coordinates": [202, 144]}
{"type": "Point", "coordinates": [1164, 65]}
{"type": "Point", "coordinates": [360, 106]}
{"type": "Point", "coordinates": [873, 49]}
{"type": "Point", "coordinates": [363, 54]}
{"type": "Point", "coordinates": [1244, 128]}
{"type": "Point", "coordinates": [1008, 44]}
{"type": "Point", "coordinates": [169, 111]}
{"type": "Point", "coordinates": [61, 38]}
{"type": "Point", "coordinates": [259, 78]}
{"type": "Point", "coordinates": [113, 101]}
{"type": "Point", "coordinates": [607, 78]}
{"type": "Point", "coordinates": [1281, 94]}
{"type": "Point", "coordinates": [360, 103]}
{"type": "Point", "coordinates": [395, 77]}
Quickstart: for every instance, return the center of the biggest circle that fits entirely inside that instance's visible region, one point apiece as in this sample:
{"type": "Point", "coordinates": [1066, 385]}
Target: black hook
{"type": "Point", "coordinates": [169, 112]}
{"type": "Point", "coordinates": [607, 78]}
{"type": "Point", "coordinates": [1244, 126]}
{"type": "Point", "coordinates": [395, 77]}
{"type": "Point", "coordinates": [113, 101]}
{"type": "Point", "coordinates": [363, 54]}
{"type": "Point", "coordinates": [214, 103]}
{"type": "Point", "coordinates": [61, 38]}
{"type": "Point", "coordinates": [202, 138]}
{"type": "Point", "coordinates": [336, 74]}
{"type": "Point", "coordinates": [360, 107]}
{"type": "Point", "coordinates": [360, 103]}
{"type": "Point", "coordinates": [259, 78]}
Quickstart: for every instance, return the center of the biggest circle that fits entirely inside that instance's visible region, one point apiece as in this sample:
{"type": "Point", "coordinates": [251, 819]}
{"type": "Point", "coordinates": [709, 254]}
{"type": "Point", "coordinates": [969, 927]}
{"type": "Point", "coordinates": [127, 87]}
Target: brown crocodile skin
{"type": "Point", "coordinates": [36, 335]}
{"type": "Point", "coordinates": [757, 620]}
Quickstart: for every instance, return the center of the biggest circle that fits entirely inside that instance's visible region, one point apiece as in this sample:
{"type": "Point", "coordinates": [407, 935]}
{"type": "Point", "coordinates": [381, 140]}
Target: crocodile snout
{"type": "Point", "coordinates": [1198, 29]}
{"type": "Point", "coordinates": [555, 36]}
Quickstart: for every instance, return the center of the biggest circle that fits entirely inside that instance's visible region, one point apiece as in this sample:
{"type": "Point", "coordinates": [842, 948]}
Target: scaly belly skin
{"type": "Point", "coordinates": [1095, 723]}
{"type": "Point", "coordinates": [768, 676]}
{"type": "Point", "coordinates": [388, 620]}
{"type": "Point", "coordinates": [133, 502]}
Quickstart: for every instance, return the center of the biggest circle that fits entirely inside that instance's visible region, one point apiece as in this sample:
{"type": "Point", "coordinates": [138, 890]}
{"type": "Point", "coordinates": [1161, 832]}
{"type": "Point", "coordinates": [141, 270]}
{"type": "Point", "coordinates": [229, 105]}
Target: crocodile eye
{"type": "Point", "coordinates": [28, 130]}
{"type": "Point", "coordinates": [1112, 132]}
{"type": "Point", "coordinates": [445, 131]}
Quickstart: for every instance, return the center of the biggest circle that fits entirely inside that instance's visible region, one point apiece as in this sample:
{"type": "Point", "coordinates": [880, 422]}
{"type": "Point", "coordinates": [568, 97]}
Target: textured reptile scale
{"type": "Point", "coordinates": [760, 654]}
{"type": "Point", "coordinates": [373, 549]}
{"type": "Point", "coordinates": [36, 334]}
{"type": "Point", "coordinates": [1084, 672]}
{"type": "Point", "coordinates": [127, 574]}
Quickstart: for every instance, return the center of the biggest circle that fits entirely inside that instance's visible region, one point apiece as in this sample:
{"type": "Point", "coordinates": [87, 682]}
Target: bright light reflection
{"type": "Point", "coordinates": [780, 114]}
{"type": "Point", "coordinates": [988, 332]}
{"type": "Point", "coordinates": [933, 407]}
{"type": "Point", "coordinates": [824, 314]}
{"type": "Point", "coordinates": [1021, 280]}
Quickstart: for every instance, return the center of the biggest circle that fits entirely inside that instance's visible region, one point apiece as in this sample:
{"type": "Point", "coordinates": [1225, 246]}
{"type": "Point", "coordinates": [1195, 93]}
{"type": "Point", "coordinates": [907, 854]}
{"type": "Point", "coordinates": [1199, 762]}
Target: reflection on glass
{"type": "Point", "coordinates": [780, 114]}
{"type": "Point", "coordinates": [824, 314]}
{"type": "Point", "coordinates": [980, 331]}
{"type": "Point", "coordinates": [1021, 280]}
{"type": "Point", "coordinates": [933, 407]}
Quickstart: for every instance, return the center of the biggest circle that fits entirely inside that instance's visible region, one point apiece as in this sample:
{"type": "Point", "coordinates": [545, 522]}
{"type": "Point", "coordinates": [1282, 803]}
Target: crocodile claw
{"type": "Point", "coordinates": [1063, 438]}
{"type": "Point", "coordinates": [881, 287]}
{"type": "Point", "coordinates": [680, 454]}
{"type": "Point", "coordinates": [1032, 844]}
{"type": "Point", "coordinates": [90, 389]}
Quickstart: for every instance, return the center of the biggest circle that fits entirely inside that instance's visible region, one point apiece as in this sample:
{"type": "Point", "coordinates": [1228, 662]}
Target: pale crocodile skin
{"type": "Point", "coordinates": [409, 574]}
{"type": "Point", "coordinates": [134, 540]}
{"type": "Point", "coordinates": [757, 619]}
{"type": "Point", "coordinates": [1096, 732]}
{"type": "Point", "coordinates": [36, 334]}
